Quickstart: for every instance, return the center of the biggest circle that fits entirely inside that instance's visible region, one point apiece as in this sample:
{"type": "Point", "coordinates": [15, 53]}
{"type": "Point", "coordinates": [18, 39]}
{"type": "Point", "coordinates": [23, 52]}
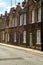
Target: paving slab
{"type": "Point", "coordinates": [14, 55]}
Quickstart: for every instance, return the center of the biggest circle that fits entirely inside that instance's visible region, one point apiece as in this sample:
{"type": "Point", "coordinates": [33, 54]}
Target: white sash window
{"type": "Point", "coordinates": [15, 21]}
{"type": "Point", "coordinates": [3, 35]}
{"type": "Point", "coordinates": [10, 22]}
{"type": "Point", "coordinates": [33, 16]}
{"type": "Point", "coordinates": [21, 20]}
{"type": "Point", "coordinates": [38, 37]}
{"type": "Point", "coordinates": [26, 0]}
{"type": "Point", "coordinates": [24, 37]}
{"type": "Point", "coordinates": [8, 37]}
{"type": "Point", "coordinates": [25, 19]}
{"type": "Point", "coordinates": [14, 37]}
{"type": "Point", "coordinates": [39, 14]}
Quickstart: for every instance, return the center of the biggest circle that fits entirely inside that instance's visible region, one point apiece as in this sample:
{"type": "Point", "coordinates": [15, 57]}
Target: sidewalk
{"type": "Point", "coordinates": [21, 48]}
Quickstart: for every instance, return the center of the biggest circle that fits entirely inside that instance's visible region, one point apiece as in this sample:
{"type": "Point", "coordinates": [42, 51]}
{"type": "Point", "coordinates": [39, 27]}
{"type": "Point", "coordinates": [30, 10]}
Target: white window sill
{"type": "Point", "coordinates": [14, 40]}
{"type": "Point", "coordinates": [38, 43]}
{"type": "Point", "coordinates": [39, 21]}
{"type": "Point", "coordinates": [24, 42]}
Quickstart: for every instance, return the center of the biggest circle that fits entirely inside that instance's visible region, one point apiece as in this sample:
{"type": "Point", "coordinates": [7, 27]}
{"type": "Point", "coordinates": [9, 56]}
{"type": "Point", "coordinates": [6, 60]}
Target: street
{"type": "Point", "coordinates": [13, 56]}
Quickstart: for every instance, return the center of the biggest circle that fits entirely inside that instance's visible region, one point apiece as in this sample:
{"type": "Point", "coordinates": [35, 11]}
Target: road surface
{"type": "Point", "coordinates": [13, 56]}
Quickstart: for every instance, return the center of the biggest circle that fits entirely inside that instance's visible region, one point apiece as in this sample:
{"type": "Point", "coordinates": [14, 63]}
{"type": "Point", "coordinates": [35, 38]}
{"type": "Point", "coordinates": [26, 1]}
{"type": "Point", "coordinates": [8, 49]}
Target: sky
{"type": "Point", "coordinates": [5, 5]}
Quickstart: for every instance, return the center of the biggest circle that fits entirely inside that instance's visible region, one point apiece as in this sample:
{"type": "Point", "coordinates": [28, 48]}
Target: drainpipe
{"type": "Point", "coordinates": [42, 25]}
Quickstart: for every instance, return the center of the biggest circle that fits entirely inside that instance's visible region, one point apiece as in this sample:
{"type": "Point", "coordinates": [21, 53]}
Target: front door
{"type": "Point", "coordinates": [31, 40]}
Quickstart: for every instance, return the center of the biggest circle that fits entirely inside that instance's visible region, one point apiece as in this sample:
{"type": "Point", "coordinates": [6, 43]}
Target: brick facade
{"type": "Point", "coordinates": [21, 25]}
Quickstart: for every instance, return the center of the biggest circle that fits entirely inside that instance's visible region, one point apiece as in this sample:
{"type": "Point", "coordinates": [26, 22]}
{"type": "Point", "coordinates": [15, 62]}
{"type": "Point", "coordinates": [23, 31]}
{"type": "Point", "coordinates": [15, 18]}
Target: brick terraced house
{"type": "Point", "coordinates": [22, 25]}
